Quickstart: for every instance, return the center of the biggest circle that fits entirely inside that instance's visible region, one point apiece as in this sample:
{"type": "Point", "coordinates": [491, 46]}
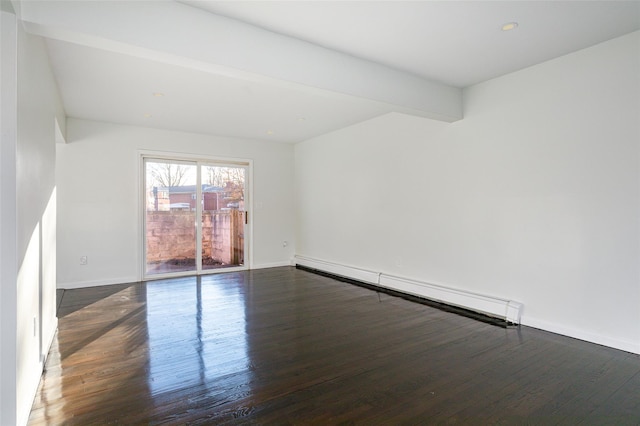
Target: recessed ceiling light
{"type": "Point", "coordinates": [148, 116]}
{"type": "Point", "coordinates": [158, 94]}
{"type": "Point", "coordinates": [270, 132]}
{"type": "Point", "coordinates": [510, 26]}
{"type": "Point", "coordinates": [301, 119]}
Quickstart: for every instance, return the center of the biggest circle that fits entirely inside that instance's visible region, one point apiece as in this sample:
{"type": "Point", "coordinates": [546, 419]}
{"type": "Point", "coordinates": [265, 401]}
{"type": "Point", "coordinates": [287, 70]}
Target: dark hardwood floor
{"type": "Point", "coordinates": [286, 346]}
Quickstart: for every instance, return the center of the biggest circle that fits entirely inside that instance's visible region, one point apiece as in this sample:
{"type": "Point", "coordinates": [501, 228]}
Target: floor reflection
{"type": "Point", "coordinates": [199, 340]}
{"type": "Point", "coordinates": [95, 325]}
{"type": "Point", "coordinates": [165, 346]}
{"type": "Point", "coordinates": [283, 346]}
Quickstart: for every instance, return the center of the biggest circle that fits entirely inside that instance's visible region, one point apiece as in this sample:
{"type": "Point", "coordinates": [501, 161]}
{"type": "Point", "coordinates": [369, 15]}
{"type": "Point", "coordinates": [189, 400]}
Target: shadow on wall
{"type": "Point", "coordinates": [36, 299]}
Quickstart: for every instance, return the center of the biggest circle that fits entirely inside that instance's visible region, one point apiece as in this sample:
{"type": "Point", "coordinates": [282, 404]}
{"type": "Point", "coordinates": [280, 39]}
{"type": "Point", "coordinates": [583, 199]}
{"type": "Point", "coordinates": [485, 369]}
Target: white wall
{"type": "Point", "coordinates": [98, 179]}
{"type": "Point", "coordinates": [28, 200]}
{"type": "Point", "coordinates": [533, 196]}
{"type": "Point", "coordinates": [8, 270]}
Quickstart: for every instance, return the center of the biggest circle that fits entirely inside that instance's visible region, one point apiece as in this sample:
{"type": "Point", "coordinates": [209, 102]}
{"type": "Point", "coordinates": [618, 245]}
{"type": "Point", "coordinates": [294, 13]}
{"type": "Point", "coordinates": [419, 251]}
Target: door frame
{"type": "Point", "coordinates": [198, 160]}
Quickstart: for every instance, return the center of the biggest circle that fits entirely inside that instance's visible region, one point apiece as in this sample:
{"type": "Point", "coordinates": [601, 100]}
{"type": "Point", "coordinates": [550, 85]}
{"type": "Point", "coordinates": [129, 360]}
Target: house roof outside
{"type": "Point", "coordinates": [191, 189]}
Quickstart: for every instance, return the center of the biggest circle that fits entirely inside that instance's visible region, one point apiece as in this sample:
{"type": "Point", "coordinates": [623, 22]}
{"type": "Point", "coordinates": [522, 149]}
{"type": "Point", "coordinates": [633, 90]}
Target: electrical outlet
{"type": "Point", "coordinates": [83, 260]}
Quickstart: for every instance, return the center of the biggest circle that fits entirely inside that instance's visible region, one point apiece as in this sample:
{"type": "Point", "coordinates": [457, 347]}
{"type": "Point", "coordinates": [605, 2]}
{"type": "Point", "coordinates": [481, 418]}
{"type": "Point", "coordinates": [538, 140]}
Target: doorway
{"type": "Point", "coordinates": [195, 219]}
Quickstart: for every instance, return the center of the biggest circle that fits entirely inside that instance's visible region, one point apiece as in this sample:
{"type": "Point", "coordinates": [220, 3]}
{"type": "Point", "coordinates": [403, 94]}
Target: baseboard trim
{"type": "Point", "coordinates": [623, 345]}
{"type": "Point", "coordinates": [441, 295]}
{"type": "Point", "coordinates": [272, 265]}
{"type": "Point", "coordinates": [346, 271]}
{"type": "Point", "coordinates": [508, 310]}
{"type": "Point", "coordinates": [505, 310]}
{"type": "Point", "coordinates": [97, 283]}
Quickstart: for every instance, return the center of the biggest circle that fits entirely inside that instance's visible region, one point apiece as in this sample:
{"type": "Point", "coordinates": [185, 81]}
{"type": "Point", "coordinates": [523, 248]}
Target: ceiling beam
{"type": "Point", "coordinates": [179, 34]}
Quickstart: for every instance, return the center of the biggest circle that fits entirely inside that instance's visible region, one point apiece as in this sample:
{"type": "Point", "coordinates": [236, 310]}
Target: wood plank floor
{"type": "Point", "coordinates": [286, 346]}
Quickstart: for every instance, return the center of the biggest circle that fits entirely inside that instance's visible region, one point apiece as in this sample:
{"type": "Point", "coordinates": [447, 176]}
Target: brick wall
{"type": "Point", "coordinates": [172, 234]}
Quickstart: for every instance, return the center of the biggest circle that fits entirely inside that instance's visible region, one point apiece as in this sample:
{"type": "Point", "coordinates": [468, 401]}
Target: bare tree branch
{"type": "Point", "coordinates": [167, 175]}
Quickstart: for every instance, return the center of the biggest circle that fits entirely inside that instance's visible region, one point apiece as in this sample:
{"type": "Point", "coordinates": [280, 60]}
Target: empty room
{"type": "Point", "coordinates": [319, 212]}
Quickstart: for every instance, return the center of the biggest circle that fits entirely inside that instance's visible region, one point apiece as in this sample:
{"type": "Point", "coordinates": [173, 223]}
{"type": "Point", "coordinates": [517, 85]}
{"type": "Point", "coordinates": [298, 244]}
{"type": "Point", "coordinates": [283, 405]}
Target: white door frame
{"type": "Point", "coordinates": [198, 161]}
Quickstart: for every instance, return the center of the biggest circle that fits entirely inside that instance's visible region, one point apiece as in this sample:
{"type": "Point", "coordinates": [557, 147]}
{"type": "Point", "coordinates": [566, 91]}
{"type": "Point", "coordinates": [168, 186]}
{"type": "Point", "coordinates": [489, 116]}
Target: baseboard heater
{"type": "Point", "coordinates": [493, 310]}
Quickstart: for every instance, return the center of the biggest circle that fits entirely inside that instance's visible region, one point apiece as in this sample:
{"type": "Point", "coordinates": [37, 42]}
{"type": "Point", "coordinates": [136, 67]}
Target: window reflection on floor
{"type": "Point", "coordinates": [202, 339]}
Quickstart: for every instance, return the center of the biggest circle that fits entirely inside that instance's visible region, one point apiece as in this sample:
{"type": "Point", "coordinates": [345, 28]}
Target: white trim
{"type": "Point", "coordinates": [203, 272]}
{"type": "Point", "coordinates": [248, 202]}
{"type": "Point", "coordinates": [489, 305]}
{"type": "Point", "coordinates": [140, 240]}
{"type": "Point", "coordinates": [508, 310]}
{"type": "Point", "coordinates": [198, 160]}
{"type": "Point", "coordinates": [623, 345]}
{"type": "Point", "coordinates": [199, 207]}
{"type": "Point", "coordinates": [271, 265]}
{"type": "Point", "coordinates": [346, 271]}
{"type": "Point", "coordinates": [187, 156]}
{"type": "Point", "coordinates": [96, 283]}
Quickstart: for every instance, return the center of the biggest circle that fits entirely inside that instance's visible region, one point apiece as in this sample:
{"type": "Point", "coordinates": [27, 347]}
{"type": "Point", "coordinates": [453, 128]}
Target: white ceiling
{"type": "Point", "coordinates": [449, 42]}
{"type": "Point", "coordinates": [118, 88]}
{"type": "Point", "coordinates": [458, 43]}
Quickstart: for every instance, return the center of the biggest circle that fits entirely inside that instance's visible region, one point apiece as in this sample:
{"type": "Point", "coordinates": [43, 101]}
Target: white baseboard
{"type": "Point", "coordinates": [623, 345]}
{"type": "Point", "coordinates": [96, 283]}
{"type": "Point", "coordinates": [508, 310]}
{"type": "Point", "coordinates": [271, 265]}
{"type": "Point", "coordinates": [352, 272]}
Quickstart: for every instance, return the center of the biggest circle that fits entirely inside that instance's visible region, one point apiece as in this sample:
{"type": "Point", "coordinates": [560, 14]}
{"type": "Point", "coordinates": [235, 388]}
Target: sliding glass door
{"type": "Point", "coordinates": [223, 216]}
{"type": "Point", "coordinates": [195, 216]}
{"type": "Point", "coordinates": [170, 216]}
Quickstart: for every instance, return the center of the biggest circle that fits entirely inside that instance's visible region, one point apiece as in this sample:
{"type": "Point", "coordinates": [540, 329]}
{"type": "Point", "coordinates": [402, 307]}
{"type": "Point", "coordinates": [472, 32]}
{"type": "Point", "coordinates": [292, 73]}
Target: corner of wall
{"type": "Point", "coordinates": [8, 261]}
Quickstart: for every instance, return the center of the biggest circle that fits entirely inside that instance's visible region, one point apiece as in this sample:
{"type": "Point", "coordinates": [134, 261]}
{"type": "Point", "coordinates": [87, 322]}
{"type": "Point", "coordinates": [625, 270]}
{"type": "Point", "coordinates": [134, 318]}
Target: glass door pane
{"type": "Point", "coordinates": [223, 216]}
{"type": "Point", "coordinates": [170, 217]}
